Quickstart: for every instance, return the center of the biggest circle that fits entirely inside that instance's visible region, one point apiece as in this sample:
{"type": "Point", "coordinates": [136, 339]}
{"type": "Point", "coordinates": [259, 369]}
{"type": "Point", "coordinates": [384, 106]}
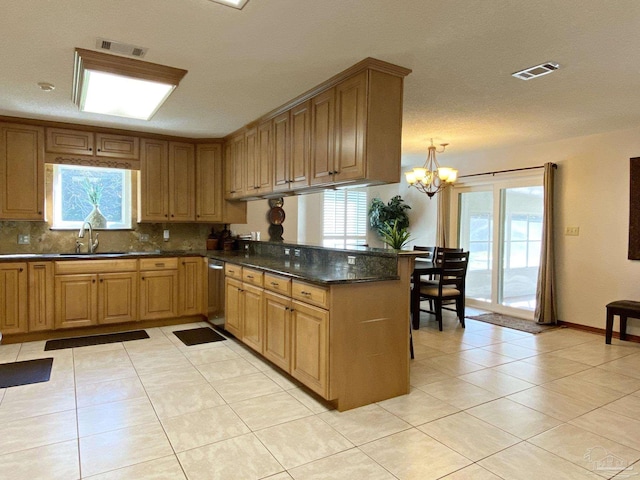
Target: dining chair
{"type": "Point", "coordinates": [450, 285]}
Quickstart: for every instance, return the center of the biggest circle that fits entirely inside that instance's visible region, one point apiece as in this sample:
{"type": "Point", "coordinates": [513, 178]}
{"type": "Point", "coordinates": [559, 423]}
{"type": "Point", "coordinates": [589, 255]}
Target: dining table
{"type": "Point", "coordinates": [422, 266]}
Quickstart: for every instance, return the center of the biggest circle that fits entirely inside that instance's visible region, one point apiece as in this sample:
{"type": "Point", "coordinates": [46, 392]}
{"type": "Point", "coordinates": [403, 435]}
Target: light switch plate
{"type": "Point", "coordinates": [165, 235]}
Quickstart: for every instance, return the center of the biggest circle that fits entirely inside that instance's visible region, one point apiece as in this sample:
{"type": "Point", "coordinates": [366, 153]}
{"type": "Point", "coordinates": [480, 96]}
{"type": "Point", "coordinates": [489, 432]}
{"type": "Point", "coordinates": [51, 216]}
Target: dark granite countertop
{"type": "Point", "coordinates": [322, 274]}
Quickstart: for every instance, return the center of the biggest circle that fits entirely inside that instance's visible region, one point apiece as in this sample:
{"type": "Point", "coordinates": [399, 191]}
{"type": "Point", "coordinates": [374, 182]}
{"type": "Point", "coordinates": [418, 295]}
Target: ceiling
{"type": "Point", "coordinates": [244, 63]}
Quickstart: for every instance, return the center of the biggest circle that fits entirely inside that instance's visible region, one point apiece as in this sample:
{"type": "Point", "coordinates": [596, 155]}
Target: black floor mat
{"type": "Point", "coordinates": [197, 336]}
{"type": "Point", "coordinates": [15, 374]}
{"type": "Point", "coordinates": [95, 340]}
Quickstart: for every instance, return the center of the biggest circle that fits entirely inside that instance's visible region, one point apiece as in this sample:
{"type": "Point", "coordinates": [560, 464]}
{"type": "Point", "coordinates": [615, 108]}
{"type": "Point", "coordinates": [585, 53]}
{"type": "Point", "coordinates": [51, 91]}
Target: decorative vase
{"type": "Point", "coordinates": [96, 218]}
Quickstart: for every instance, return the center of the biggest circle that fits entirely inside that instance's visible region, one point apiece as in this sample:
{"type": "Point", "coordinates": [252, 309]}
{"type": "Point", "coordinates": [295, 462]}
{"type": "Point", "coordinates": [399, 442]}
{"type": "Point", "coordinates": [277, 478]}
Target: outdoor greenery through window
{"type": "Point", "coordinates": [344, 218]}
{"type": "Point", "coordinates": [78, 190]}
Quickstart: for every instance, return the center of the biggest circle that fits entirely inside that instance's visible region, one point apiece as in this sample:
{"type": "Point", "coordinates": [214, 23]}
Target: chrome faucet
{"type": "Point", "coordinates": [93, 245]}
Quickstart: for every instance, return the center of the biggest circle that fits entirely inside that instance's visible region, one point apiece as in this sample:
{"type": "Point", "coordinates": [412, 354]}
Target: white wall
{"type": "Point", "coordinates": [592, 192]}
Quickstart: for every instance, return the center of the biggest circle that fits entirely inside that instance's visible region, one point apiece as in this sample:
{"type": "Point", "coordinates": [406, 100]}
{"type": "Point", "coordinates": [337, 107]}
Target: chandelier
{"type": "Point", "coordinates": [431, 178]}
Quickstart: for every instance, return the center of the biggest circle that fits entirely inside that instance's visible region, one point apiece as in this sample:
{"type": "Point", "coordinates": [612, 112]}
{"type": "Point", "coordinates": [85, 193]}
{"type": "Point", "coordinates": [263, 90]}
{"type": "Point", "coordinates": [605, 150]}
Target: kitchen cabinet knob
{"type": "Point", "coordinates": [21, 269]}
{"type": "Point", "coordinates": [102, 280]}
{"type": "Point", "coordinates": [99, 150]}
{"type": "Point", "coordinates": [91, 149]}
{"type": "Point", "coordinates": [172, 215]}
{"type": "Point", "coordinates": [93, 281]}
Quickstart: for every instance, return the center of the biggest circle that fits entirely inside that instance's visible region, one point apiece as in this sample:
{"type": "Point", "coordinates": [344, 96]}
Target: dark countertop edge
{"type": "Point", "coordinates": [39, 257]}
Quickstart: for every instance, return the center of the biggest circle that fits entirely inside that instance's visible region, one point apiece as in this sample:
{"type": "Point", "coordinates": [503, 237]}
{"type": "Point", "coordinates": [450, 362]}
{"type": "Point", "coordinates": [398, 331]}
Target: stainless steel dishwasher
{"type": "Point", "coordinates": [216, 293]}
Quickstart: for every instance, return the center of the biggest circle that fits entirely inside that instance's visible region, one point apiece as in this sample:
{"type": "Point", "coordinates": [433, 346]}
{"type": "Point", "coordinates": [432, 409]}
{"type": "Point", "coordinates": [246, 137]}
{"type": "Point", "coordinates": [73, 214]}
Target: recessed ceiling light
{"type": "Point", "coordinates": [239, 4]}
{"type": "Point", "coordinates": [537, 71]}
{"type": "Point", "coordinates": [46, 87]}
{"type": "Point", "coordinates": [119, 86]}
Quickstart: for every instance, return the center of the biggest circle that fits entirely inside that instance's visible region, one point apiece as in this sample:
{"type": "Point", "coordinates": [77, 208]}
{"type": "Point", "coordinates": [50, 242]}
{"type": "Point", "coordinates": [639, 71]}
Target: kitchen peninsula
{"type": "Point", "coordinates": [336, 320]}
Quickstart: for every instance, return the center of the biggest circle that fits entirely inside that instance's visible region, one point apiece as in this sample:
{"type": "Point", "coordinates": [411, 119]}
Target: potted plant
{"type": "Point", "coordinates": [394, 235]}
{"type": "Point", "coordinates": [386, 218]}
{"type": "Point", "coordinates": [94, 192]}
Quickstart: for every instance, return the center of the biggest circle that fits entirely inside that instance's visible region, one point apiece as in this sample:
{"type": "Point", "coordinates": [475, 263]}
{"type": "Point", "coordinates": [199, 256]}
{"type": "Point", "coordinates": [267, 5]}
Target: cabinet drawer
{"type": "Point", "coordinates": [312, 294]}
{"type": "Point", "coordinates": [148, 264]}
{"type": "Point", "coordinates": [233, 271]}
{"type": "Point", "coordinates": [254, 277]}
{"type": "Point", "coordinates": [95, 266]}
{"type": "Point", "coordinates": [276, 283]}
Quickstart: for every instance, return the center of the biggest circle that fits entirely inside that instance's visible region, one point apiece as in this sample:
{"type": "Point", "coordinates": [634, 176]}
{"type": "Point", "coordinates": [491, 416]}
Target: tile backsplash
{"type": "Point", "coordinates": [42, 239]}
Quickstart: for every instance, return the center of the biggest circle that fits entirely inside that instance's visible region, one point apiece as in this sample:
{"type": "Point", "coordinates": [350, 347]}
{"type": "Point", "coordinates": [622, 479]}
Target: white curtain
{"type": "Point", "coordinates": [545, 293]}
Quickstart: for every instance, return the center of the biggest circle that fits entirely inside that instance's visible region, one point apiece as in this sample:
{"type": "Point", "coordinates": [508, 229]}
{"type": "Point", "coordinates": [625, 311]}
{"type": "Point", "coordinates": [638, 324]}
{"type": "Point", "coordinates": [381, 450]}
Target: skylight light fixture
{"type": "Point", "coordinates": [537, 71]}
{"type": "Point", "coordinates": [124, 87]}
{"type": "Point", "coordinates": [239, 4]}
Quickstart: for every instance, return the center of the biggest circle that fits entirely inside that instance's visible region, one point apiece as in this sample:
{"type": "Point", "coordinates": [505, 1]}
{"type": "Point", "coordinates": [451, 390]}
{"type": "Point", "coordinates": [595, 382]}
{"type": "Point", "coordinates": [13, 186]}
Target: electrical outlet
{"type": "Point", "coordinates": [351, 260]}
{"type": "Point", "coordinates": [572, 231]}
{"type": "Point", "coordinates": [144, 237]}
{"type": "Point", "coordinates": [296, 252]}
{"type": "Point", "coordinates": [165, 235]}
{"type": "Point", "coordinates": [287, 251]}
{"type": "Point", "coordinates": [24, 239]}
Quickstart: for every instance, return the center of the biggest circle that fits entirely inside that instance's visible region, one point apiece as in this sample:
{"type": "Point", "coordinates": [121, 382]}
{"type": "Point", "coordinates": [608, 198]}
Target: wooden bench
{"type": "Point", "coordinates": [624, 309]}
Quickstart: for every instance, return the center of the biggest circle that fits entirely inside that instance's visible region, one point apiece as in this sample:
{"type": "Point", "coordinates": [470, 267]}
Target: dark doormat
{"type": "Point", "coordinates": [15, 374]}
{"type": "Point", "coordinates": [95, 340]}
{"type": "Point", "coordinates": [515, 323]}
{"type": "Point", "coordinates": [197, 336]}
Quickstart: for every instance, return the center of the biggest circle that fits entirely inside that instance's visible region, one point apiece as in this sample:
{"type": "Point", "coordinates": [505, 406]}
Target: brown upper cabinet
{"type": "Point", "coordinates": [21, 172]}
{"type": "Point", "coordinates": [346, 131]}
{"type": "Point", "coordinates": [234, 154]}
{"type": "Point", "coordinates": [78, 142]}
{"type": "Point", "coordinates": [167, 182]}
{"type": "Point", "coordinates": [209, 201]}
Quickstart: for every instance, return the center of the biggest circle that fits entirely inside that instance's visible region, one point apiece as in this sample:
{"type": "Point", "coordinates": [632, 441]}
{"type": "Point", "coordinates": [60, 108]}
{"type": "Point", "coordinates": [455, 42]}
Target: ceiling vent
{"type": "Point", "coordinates": [121, 48]}
{"type": "Point", "coordinates": [537, 71]}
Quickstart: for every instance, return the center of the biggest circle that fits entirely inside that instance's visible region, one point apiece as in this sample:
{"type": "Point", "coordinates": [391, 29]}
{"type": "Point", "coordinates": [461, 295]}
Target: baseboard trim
{"type": "Point", "coordinates": [599, 331]}
{"type": "Point", "coordinates": [97, 329]}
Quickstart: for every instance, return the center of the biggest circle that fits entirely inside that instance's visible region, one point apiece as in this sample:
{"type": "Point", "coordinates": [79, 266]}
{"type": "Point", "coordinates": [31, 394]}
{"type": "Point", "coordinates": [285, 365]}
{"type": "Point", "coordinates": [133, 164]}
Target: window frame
{"type": "Point", "coordinates": [56, 199]}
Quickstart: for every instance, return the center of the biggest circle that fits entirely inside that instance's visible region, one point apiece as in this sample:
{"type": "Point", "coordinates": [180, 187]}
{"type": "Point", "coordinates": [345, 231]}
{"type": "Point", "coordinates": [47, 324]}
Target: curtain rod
{"type": "Point", "coordinates": [505, 171]}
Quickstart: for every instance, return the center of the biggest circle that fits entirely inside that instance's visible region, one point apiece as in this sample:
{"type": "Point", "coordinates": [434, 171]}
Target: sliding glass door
{"type": "Point", "coordinates": [500, 223]}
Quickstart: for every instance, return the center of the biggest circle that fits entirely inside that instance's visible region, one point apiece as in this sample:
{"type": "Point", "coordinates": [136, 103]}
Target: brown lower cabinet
{"type": "Point", "coordinates": [158, 288]}
{"type": "Point", "coordinates": [47, 295]}
{"type": "Point", "coordinates": [13, 297]}
{"type": "Point", "coordinates": [95, 292]}
{"type": "Point", "coordinates": [291, 333]}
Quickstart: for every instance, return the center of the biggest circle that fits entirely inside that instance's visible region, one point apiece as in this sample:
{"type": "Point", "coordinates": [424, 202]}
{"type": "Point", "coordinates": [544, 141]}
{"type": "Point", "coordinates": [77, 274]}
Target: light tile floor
{"type": "Point", "coordinates": [485, 403]}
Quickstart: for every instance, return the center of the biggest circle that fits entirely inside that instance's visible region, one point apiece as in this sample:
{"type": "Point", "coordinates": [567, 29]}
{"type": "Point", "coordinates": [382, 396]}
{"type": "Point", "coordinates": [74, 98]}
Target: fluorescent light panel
{"type": "Point", "coordinates": [239, 4]}
{"type": "Point", "coordinates": [121, 86]}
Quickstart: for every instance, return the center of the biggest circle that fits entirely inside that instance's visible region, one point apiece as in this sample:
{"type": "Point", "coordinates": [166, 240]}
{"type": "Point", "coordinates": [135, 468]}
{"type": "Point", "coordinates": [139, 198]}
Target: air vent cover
{"type": "Point", "coordinates": [537, 71]}
{"type": "Point", "coordinates": [121, 48]}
